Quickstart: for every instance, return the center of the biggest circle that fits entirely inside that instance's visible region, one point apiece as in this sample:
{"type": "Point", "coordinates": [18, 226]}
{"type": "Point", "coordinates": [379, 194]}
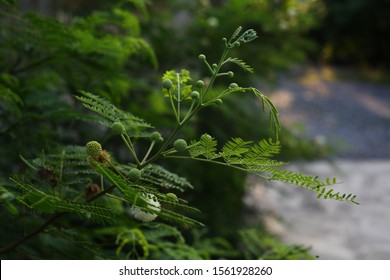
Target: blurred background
{"type": "Point", "coordinates": [325, 64]}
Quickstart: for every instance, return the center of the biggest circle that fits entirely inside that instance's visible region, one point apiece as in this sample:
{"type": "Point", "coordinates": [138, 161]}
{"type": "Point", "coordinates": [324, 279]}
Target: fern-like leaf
{"type": "Point", "coordinates": [264, 149]}
{"type": "Point", "coordinates": [37, 199]}
{"type": "Point", "coordinates": [313, 184]}
{"type": "Point", "coordinates": [134, 126]}
{"type": "Point", "coordinates": [273, 111]}
{"type": "Point", "coordinates": [206, 147]}
{"type": "Point", "coordinates": [99, 105]}
{"type": "Point", "coordinates": [257, 159]}
{"type": "Point", "coordinates": [33, 197]}
{"type": "Point", "coordinates": [86, 210]}
{"type": "Point", "coordinates": [160, 177]}
{"type": "Point", "coordinates": [128, 192]}
{"type": "Point", "coordinates": [234, 149]}
{"type": "Point", "coordinates": [240, 63]}
{"type": "Point", "coordinates": [132, 239]}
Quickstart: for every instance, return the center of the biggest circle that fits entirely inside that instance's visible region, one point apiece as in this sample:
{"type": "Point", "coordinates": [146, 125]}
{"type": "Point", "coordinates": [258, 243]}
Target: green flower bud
{"type": "Point", "coordinates": [202, 57]}
{"type": "Point", "coordinates": [180, 145]}
{"type": "Point", "coordinates": [218, 101]}
{"type": "Point", "coordinates": [172, 197]}
{"type": "Point", "coordinates": [199, 84]}
{"type": "Point", "coordinates": [118, 128]}
{"type": "Point", "coordinates": [94, 149]}
{"type": "Point", "coordinates": [134, 174]}
{"type": "Point", "coordinates": [214, 65]}
{"type": "Point", "coordinates": [231, 74]}
{"type": "Point", "coordinates": [233, 85]}
{"type": "Point", "coordinates": [156, 137]}
{"type": "Point", "coordinates": [195, 95]}
{"type": "Point", "coordinates": [206, 137]}
{"type": "Point", "coordinates": [236, 44]}
{"type": "Point", "coordinates": [167, 84]}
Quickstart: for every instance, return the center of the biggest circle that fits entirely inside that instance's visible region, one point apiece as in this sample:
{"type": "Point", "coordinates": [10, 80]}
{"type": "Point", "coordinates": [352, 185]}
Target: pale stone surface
{"type": "Point", "coordinates": [333, 229]}
{"type": "Point", "coordinates": [358, 114]}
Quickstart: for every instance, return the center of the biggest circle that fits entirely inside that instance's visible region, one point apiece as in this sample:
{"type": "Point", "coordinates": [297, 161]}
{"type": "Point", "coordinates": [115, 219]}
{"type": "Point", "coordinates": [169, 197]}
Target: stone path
{"type": "Point", "coordinates": [359, 115]}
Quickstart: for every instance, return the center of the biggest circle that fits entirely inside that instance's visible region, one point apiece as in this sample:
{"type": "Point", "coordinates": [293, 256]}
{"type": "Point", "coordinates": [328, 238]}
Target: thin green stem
{"type": "Point", "coordinates": [209, 67]}
{"type": "Point", "coordinates": [178, 97]}
{"type": "Point", "coordinates": [215, 73]}
{"type": "Point", "coordinates": [163, 147]}
{"type": "Point", "coordinates": [148, 152]}
{"type": "Point", "coordinates": [219, 163]}
{"type": "Point", "coordinates": [189, 111]}
{"type": "Point", "coordinates": [173, 105]}
{"type": "Point", "coordinates": [116, 197]}
{"type": "Point", "coordinates": [117, 170]}
{"type": "Point", "coordinates": [131, 148]}
{"type": "Point", "coordinates": [167, 152]}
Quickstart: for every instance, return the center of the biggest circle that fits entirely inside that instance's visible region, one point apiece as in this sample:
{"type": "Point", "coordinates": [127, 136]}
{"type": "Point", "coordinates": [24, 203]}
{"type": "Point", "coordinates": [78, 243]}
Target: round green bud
{"type": "Point", "coordinates": [195, 95]}
{"type": "Point", "coordinates": [202, 57]}
{"type": "Point", "coordinates": [230, 74]}
{"type": "Point", "coordinates": [172, 197]}
{"type": "Point", "coordinates": [118, 128]}
{"type": "Point", "coordinates": [94, 149]}
{"type": "Point", "coordinates": [134, 174]}
{"type": "Point", "coordinates": [167, 84]}
{"type": "Point", "coordinates": [199, 84]}
{"type": "Point", "coordinates": [233, 85]}
{"type": "Point", "coordinates": [214, 65]}
{"type": "Point", "coordinates": [156, 137]}
{"type": "Point", "coordinates": [218, 101]}
{"type": "Point", "coordinates": [236, 44]}
{"type": "Point", "coordinates": [180, 145]}
{"type": "Point", "coordinates": [206, 137]}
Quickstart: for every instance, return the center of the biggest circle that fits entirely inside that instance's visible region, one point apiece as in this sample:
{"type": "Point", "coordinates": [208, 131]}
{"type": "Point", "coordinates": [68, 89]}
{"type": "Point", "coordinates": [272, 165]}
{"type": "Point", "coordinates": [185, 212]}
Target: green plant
{"type": "Point", "coordinates": [43, 61]}
{"type": "Point", "coordinates": [262, 246]}
{"type": "Point", "coordinates": [141, 188]}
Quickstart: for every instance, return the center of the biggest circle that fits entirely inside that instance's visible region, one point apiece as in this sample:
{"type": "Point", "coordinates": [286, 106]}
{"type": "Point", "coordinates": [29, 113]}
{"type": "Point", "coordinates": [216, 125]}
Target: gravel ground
{"type": "Point", "coordinates": [357, 114]}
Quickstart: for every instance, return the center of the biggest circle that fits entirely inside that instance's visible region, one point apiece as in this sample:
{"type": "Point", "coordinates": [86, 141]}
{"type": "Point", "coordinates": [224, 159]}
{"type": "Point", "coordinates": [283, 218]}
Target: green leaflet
{"type": "Point", "coordinates": [206, 147]}
{"type": "Point", "coordinates": [234, 149]}
{"type": "Point", "coordinates": [257, 159]}
{"type": "Point", "coordinates": [134, 126]}
{"type": "Point", "coordinates": [129, 193]}
{"type": "Point", "coordinates": [160, 177]}
{"type": "Point", "coordinates": [240, 63]}
{"type": "Point", "coordinates": [35, 198]}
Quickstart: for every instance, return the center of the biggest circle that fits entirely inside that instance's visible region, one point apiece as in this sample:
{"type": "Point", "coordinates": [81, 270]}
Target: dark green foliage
{"type": "Point", "coordinates": [44, 61]}
{"type": "Point", "coordinates": [260, 246]}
